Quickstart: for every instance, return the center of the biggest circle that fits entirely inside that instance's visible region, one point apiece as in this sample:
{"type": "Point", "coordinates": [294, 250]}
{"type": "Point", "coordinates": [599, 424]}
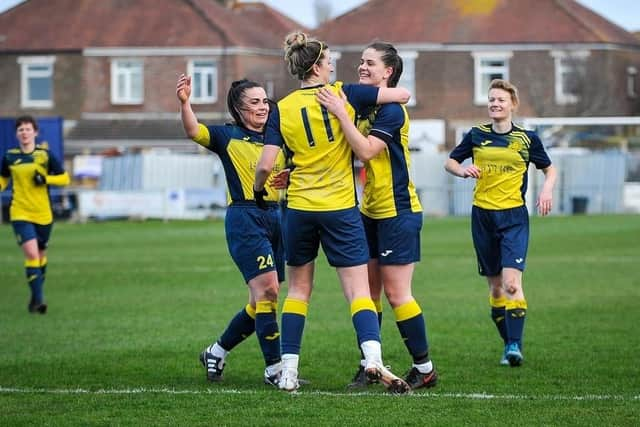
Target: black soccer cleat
{"type": "Point", "coordinates": [417, 379]}
{"type": "Point", "coordinates": [37, 308]}
{"type": "Point", "coordinates": [214, 366]}
{"type": "Point", "coordinates": [359, 380]}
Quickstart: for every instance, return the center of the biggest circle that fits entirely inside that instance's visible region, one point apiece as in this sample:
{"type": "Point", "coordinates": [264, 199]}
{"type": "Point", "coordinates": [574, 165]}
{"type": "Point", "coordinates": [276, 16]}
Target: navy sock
{"type": "Point", "coordinates": [241, 326]}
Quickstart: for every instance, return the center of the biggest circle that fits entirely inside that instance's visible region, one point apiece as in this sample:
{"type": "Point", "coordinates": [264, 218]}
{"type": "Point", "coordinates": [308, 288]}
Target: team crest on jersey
{"type": "Point", "coordinates": [516, 145]}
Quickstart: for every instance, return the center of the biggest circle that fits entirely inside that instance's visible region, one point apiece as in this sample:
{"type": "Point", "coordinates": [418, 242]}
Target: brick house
{"type": "Point", "coordinates": [565, 59]}
{"type": "Point", "coordinates": [109, 67]}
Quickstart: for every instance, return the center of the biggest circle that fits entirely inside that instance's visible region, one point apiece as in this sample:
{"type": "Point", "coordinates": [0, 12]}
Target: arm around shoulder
{"type": "Point", "coordinates": [387, 95]}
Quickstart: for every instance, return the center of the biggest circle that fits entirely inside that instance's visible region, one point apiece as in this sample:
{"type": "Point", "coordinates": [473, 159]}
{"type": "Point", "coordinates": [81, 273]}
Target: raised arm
{"type": "Point", "coordinates": [189, 119]}
{"type": "Point", "coordinates": [364, 147]}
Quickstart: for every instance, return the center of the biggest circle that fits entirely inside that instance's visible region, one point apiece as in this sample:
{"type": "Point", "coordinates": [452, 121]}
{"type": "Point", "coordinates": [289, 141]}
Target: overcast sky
{"type": "Point", "coordinates": [625, 13]}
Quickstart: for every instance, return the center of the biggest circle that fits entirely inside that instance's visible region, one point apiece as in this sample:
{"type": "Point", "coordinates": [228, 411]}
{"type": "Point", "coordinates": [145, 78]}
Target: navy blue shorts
{"type": "Point", "coordinates": [500, 238]}
{"type": "Point", "coordinates": [394, 241]}
{"type": "Point", "coordinates": [341, 234]}
{"type": "Point", "coordinates": [254, 239]}
{"type": "Point", "coordinates": [26, 231]}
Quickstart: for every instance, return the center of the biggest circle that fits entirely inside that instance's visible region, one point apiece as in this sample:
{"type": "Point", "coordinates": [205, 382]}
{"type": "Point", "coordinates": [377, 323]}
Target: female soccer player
{"type": "Point", "coordinates": [390, 208]}
{"type": "Point", "coordinates": [501, 152]}
{"type": "Point", "coordinates": [32, 168]}
{"type": "Point", "coordinates": [254, 236]}
{"type": "Point", "coordinates": [321, 204]}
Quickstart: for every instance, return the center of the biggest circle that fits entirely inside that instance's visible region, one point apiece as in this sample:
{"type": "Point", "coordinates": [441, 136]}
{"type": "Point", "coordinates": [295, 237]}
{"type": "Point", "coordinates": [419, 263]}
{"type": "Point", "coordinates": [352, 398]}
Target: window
{"type": "Point", "coordinates": [270, 88]}
{"type": "Point", "coordinates": [488, 66]}
{"type": "Point", "coordinates": [335, 56]}
{"type": "Point", "coordinates": [36, 81]}
{"type": "Point", "coordinates": [204, 81]}
{"type": "Point", "coordinates": [632, 73]}
{"type": "Point", "coordinates": [408, 77]}
{"type": "Point", "coordinates": [127, 85]}
{"type": "Point", "coordinates": [569, 75]}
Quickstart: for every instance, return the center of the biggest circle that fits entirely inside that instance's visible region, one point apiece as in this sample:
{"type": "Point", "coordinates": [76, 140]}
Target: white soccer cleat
{"type": "Point", "coordinates": [288, 380]}
{"type": "Point", "coordinates": [272, 374]}
{"type": "Point", "coordinates": [377, 372]}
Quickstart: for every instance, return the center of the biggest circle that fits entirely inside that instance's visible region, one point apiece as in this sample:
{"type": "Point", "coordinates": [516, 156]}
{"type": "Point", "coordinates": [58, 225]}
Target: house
{"type": "Point", "coordinates": [565, 59]}
{"type": "Point", "coordinates": [110, 67]}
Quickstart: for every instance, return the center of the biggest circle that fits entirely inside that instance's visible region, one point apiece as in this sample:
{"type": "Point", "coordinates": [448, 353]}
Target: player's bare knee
{"type": "Point", "coordinates": [511, 286]}
{"type": "Point", "coordinates": [271, 292]}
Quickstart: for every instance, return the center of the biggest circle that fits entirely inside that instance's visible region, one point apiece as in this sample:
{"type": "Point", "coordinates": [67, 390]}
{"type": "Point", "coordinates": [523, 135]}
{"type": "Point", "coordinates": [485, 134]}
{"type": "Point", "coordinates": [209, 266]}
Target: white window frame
{"type": "Point", "coordinates": [632, 75]}
{"type": "Point", "coordinates": [203, 73]}
{"type": "Point", "coordinates": [26, 73]}
{"type": "Point", "coordinates": [480, 87]}
{"type": "Point", "coordinates": [408, 77]}
{"type": "Point", "coordinates": [128, 74]}
{"type": "Point", "coordinates": [561, 96]}
{"type": "Point", "coordinates": [334, 57]}
{"type": "Point", "coordinates": [270, 88]}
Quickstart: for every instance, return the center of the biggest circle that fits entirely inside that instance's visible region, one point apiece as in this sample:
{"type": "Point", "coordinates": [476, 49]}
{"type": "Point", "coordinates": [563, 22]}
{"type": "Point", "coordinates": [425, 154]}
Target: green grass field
{"type": "Point", "coordinates": [133, 303]}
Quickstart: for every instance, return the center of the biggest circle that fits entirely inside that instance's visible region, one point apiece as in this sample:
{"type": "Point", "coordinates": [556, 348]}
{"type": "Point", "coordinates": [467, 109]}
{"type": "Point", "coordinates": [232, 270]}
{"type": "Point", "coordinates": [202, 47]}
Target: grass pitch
{"type": "Point", "coordinates": [132, 305]}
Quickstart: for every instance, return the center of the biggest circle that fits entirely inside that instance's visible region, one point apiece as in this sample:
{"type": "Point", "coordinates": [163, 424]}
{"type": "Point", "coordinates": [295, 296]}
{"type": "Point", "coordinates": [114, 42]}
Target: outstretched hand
{"type": "Point", "coordinates": [183, 88]}
{"type": "Point", "coordinates": [333, 103]}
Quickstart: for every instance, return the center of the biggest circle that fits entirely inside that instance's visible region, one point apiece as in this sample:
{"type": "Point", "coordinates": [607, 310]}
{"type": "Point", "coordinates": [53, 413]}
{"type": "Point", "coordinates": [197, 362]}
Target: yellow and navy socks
{"type": "Point", "coordinates": [35, 280]}
{"type": "Point", "coordinates": [410, 323]}
{"type": "Point", "coordinates": [498, 315]}
{"type": "Point", "coordinates": [365, 320]}
{"type": "Point", "coordinates": [267, 331]}
{"type": "Point", "coordinates": [515, 314]}
{"type": "Point", "coordinates": [294, 315]}
{"type": "Point", "coordinates": [240, 327]}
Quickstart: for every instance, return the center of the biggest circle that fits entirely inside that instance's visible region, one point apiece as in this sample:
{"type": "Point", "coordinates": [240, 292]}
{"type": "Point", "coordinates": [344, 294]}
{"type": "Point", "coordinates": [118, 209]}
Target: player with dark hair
{"type": "Point", "coordinates": [32, 169]}
{"type": "Point", "coordinates": [501, 152]}
{"type": "Point", "coordinates": [390, 208]}
{"type": "Point", "coordinates": [254, 236]}
{"type": "Point", "coordinates": [321, 203]}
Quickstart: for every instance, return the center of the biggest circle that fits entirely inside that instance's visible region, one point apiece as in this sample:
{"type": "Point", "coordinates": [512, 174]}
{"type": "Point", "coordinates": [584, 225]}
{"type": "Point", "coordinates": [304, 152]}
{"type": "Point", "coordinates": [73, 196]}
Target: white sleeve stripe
{"type": "Point", "coordinates": [381, 131]}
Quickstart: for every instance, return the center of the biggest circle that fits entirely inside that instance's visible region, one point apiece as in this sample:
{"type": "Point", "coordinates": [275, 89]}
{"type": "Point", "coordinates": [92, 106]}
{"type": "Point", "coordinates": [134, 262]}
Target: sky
{"type": "Point", "coordinates": [625, 13]}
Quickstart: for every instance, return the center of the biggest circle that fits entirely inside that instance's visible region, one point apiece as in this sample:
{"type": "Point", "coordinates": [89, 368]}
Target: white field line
{"type": "Point", "coordinates": [467, 396]}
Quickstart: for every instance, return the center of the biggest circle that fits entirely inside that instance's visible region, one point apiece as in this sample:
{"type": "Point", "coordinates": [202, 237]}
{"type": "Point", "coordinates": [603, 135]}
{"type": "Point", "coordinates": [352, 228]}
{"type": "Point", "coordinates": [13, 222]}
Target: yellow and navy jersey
{"type": "Point", "coordinates": [322, 175]}
{"type": "Point", "coordinates": [388, 189]}
{"type": "Point", "coordinates": [239, 150]}
{"type": "Point", "coordinates": [30, 202]}
{"type": "Point", "coordinates": [503, 160]}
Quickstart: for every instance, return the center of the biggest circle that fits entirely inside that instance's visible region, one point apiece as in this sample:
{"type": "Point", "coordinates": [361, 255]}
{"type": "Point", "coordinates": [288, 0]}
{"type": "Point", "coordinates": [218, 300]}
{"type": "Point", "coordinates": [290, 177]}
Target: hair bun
{"type": "Point", "coordinates": [295, 40]}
